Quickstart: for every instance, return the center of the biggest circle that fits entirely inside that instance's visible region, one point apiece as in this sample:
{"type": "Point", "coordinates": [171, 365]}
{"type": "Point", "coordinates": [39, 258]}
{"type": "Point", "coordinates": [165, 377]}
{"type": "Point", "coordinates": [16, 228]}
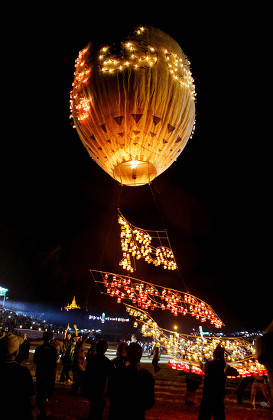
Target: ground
{"type": "Point", "coordinates": [63, 406]}
{"type": "Point", "coordinates": [169, 392]}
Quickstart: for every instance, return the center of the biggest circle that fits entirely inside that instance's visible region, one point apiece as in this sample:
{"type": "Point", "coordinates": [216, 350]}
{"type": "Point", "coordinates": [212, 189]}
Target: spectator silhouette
{"type": "Point", "coordinates": [97, 372]}
{"type": "Point", "coordinates": [17, 394]}
{"type": "Point", "coordinates": [45, 358]}
{"type": "Point", "coordinates": [23, 353]}
{"type": "Point", "coordinates": [193, 381]}
{"type": "Point", "coordinates": [259, 385]}
{"type": "Point", "coordinates": [156, 357]}
{"type": "Point", "coordinates": [264, 354]}
{"type": "Point", "coordinates": [132, 388]}
{"type": "Point", "coordinates": [91, 351]}
{"type": "Point", "coordinates": [67, 341]}
{"type": "Point", "coordinates": [78, 362]}
{"type": "Point", "coordinates": [243, 383]}
{"type": "Point", "coordinates": [121, 359]}
{"type": "Point", "coordinates": [119, 362]}
{"type": "Point", "coordinates": [212, 403]}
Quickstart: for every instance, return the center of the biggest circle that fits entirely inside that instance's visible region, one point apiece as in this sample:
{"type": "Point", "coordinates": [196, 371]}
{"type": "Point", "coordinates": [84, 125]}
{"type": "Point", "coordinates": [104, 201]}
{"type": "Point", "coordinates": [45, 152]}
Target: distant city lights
{"type": "Point", "coordinates": [104, 318]}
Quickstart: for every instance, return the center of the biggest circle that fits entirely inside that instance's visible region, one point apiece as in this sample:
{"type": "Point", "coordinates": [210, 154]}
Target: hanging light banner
{"type": "Point", "coordinates": [188, 352]}
{"type": "Point", "coordinates": [136, 243]}
{"type": "Point", "coordinates": [148, 296]}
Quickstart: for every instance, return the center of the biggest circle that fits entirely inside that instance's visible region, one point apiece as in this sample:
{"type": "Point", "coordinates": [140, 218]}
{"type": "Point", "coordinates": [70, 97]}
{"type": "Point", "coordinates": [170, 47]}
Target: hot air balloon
{"type": "Point", "coordinates": [133, 104]}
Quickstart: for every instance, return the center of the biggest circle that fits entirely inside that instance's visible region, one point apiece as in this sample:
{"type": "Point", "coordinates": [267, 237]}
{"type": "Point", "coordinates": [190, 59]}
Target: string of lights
{"type": "Point", "coordinates": [148, 296]}
{"type": "Point", "coordinates": [139, 54]}
{"type": "Point", "coordinates": [134, 54]}
{"type": "Point", "coordinates": [79, 104]}
{"type": "Point", "coordinates": [136, 244]}
{"type": "Point", "coordinates": [189, 352]}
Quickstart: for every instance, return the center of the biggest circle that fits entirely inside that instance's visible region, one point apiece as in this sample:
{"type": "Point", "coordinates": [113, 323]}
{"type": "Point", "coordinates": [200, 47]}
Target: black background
{"type": "Point", "coordinates": [58, 208]}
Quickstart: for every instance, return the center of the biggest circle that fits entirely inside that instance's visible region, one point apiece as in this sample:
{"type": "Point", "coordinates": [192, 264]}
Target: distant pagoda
{"type": "Point", "coordinates": [72, 305]}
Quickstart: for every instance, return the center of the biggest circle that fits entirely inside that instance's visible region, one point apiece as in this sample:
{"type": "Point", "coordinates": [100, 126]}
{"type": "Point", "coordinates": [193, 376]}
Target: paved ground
{"type": "Point", "coordinates": [170, 391]}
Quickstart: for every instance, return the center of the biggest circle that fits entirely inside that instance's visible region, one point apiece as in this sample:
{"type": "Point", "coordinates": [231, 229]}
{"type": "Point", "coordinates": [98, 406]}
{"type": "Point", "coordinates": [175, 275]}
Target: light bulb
{"type": "Point", "coordinates": [134, 164]}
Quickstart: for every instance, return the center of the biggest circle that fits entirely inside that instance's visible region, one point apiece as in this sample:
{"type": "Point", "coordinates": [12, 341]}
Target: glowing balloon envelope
{"type": "Point", "coordinates": [133, 104]}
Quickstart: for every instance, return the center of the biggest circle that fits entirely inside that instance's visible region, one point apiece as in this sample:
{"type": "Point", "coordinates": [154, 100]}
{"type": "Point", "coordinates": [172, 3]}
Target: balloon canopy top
{"type": "Point", "coordinates": [133, 104]}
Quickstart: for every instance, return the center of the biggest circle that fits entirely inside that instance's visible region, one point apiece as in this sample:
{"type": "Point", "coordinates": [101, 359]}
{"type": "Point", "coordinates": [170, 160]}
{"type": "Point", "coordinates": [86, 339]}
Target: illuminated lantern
{"type": "Point", "coordinates": [133, 104]}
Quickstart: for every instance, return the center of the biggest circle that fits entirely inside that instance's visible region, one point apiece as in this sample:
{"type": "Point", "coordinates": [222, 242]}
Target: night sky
{"type": "Point", "coordinates": [58, 208]}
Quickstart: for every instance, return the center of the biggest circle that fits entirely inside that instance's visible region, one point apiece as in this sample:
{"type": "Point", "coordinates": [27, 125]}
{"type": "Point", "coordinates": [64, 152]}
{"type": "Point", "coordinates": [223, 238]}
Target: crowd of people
{"type": "Point", "coordinates": [121, 382]}
{"type": "Point", "coordinates": [11, 321]}
{"type": "Point", "coordinates": [116, 389]}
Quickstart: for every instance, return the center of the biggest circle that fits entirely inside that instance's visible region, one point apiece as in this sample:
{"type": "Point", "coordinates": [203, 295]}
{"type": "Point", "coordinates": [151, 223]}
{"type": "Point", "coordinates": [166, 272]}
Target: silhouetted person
{"type": "Point", "coordinates": [212, 403]}
{"type": "Point", "coordinates": [91, 351]}
{"type": "Point", "coordinates": [78, 363]}
{"type": "Point", "coordinates": [97, 372]}
{"type": "Point", "coordinates": [121, 359]}
{"type": "Point", "coordinates": [156, 357]}
{"type": "Point", "coordinates": [259, 385]}
{"type": "Point", "coordinates": [193, 381]}
{"type": "Point", "coordinates": [132, 389]}
{"type": "Point", "coordinates": [264, 354]}
{"type": "Point", "coordinates": [120, 362]}
{"type": "Point", "coordinates": [243, 384]}
{"type": "Point", "coordinates": [67, 366]}
{"type": "Point", "coordinates": [17, 394]}
{"type": "Point", "coordinates": [45, 358]}
{"type": "Point", "coordinates": [23, 353]}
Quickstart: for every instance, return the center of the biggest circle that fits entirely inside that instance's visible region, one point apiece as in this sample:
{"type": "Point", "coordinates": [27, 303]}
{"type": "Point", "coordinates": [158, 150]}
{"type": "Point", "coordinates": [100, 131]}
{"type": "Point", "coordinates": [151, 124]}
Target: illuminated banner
{"type": "Point", "coordinates": [137, 243]}
{"type": "Point", "coordinates": [189, 351]}
{"type": "Point", "coordinates": [148, 296]}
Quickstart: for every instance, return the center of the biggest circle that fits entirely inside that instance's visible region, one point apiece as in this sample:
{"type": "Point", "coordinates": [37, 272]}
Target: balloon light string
{"type": "Point", "coordinates": [148, 296]}
{"type": "Point", "coordinates": [189, 352]}
{"type": "Point", "coordinates": [157, 207]}
{"type": "Point", "coordinates": [136, 244]}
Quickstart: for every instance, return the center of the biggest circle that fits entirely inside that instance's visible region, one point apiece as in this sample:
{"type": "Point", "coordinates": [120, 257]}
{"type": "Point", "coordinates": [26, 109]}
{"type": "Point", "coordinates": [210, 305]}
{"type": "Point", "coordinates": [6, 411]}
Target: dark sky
{"type": "Point", "coordinates": [58, 207]}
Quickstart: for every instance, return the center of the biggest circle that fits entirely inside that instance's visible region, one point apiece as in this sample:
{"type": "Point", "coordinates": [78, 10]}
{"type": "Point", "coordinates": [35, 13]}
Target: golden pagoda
{"type": "Point", "coordinates": [72, 305]}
